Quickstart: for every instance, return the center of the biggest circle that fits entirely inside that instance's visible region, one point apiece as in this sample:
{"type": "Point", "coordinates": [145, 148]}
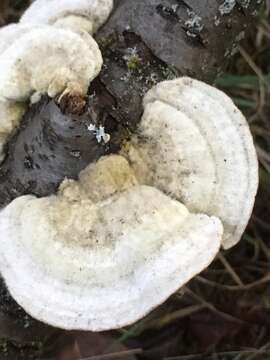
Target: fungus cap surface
{"type": "Point", "coordinates": [195, 145]}
{"type": "Point", "coordinates": [93, 261]}
{"type": "Point", "coordinates": [50, 11]}
{"type": "Point", "coordinates": [72, 61]}
{"type": "Point", "coordinates": [11, 33]}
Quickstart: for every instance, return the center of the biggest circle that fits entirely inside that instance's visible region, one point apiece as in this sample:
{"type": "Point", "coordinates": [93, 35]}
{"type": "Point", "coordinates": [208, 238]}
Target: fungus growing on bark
{"type": "Point", "coordinates": [131, 228]}
{"type": "Point", "coordinates": [195, 145]}
{"type": "Point", "coordinates": [71, 62]}
{"type": "Point", "coordinates": [104, 251]}
{"type": "Point", "coordinates": [110, 247]}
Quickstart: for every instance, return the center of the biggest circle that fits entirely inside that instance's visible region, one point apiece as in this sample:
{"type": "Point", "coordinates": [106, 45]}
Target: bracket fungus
{"type": "Point", "coordinates": [195, 145]}
{"type": "Point", "coordinates": [101, 254]}
{"type": "Point", "coordinates": [73, 59]}
{"type": "Point", "coordinates": [137, 225]}
{"type": "Point", "coordinates": [84, 14]}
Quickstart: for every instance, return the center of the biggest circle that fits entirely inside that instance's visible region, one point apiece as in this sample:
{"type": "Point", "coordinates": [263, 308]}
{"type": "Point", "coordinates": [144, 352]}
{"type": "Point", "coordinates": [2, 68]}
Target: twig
{"type": "Point", "coordinates": [116, 355]}
{"type": "Point", "coordinates": [230, 270]}
{"type": "Point", "coordinates": [260, 351]}
{"type": "Point", "coordinates": [254, 352]}
{"type": "Point", "coordinates": [254, 67]}
{"type": "Point", "coordinates": [250, 286]}
{"type": "Point", "coordinates": [176, 315]}
{"type": "Point", "coordinates": [211, 307]}
{"type": "Point", "coordinates": [185, 357]}
{"type": "Point", "coordinates": [262, 81]}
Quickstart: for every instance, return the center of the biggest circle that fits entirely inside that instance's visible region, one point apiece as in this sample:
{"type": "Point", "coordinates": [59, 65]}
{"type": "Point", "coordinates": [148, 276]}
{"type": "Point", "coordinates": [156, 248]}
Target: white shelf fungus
{"type": "Point", "coordinates": [76, 13]}
{"type": "Point", "coordinates": [37, 58]}
{"type": "Point", "coordinates": [43, 60]}
{"type": "Point", "coordinates": [101, 254]}
{"type": "Point", "coordinates": [196, 146]}
{"type": "Point", "coordinates": [10, 115]}
{"type": "Point", "coordinates": [48, 60]}
{"type": "Point", "coordinates": [11, 33]}
{"type": "Point", "coordinates": [135, 227]}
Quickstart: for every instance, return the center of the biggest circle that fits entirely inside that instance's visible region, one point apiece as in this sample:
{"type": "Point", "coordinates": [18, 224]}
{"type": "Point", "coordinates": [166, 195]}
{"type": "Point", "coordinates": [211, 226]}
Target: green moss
{"type": "Point", "coordinates": [134, 62]}
{"type": "Point", "coordinates": [3, 346]}
{"type": "Point", "coordinates": [105, 42]}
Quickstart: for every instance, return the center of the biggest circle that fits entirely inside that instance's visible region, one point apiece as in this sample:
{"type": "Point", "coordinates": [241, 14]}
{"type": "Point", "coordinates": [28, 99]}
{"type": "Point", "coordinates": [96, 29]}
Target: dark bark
{"type": "Point", "coordinates": [144, 42]}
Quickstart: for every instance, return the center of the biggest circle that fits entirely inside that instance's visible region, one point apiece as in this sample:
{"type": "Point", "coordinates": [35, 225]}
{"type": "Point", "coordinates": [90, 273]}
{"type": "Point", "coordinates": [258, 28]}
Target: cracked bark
{"type": "Point", "coordinates": [143, 42]}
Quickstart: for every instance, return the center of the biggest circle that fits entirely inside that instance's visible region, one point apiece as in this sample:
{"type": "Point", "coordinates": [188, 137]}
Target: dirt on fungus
{"type": "Point", "coordinates": [225, 311]}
